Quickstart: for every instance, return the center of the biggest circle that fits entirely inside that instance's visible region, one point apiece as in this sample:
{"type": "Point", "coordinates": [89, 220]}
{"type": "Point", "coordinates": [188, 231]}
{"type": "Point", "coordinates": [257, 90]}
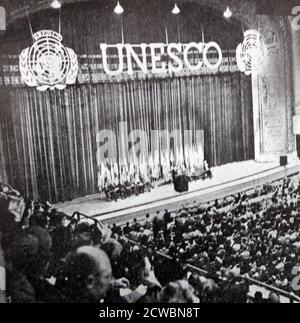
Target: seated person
{"type": "Point", "coordinates": [87, 277]}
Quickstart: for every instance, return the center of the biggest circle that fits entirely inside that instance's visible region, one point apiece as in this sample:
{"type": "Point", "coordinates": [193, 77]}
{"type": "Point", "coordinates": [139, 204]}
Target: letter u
{"type": "Point", "coordinates": [105, 63]}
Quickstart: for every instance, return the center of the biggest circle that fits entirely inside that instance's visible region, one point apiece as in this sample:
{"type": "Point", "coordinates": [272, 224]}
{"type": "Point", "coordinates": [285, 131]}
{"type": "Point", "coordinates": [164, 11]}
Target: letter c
{"type": "Point", "coordinates": [199, 47]}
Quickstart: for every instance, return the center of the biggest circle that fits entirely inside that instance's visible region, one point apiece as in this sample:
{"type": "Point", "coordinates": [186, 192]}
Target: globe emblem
{"type": "Point", "coordinates": [47, 63]}
{"type": "Point", "coordinates": [250, 54]}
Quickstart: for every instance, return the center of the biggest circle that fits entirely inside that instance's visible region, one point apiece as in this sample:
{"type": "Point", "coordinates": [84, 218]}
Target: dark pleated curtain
{"type": "Point", "coordinates": [3, 177]}
{"type": "Point", "coordinates": [48, 146]}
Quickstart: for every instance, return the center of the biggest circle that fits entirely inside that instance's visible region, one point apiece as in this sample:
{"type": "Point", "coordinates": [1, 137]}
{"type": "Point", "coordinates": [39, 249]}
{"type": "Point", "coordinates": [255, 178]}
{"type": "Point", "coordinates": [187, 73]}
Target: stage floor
{"type": "Point", "coordinates": [227, 179]}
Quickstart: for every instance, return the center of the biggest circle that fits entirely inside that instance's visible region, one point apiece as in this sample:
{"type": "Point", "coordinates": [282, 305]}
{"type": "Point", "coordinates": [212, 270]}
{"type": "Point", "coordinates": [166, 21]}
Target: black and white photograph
{"type": "Point", "coordinates": [150, 154]}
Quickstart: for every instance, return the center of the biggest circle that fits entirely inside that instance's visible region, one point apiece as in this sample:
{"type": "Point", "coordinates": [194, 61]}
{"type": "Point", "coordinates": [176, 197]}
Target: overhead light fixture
{"type": "Point", "coordinates": [227, 13]}
{"type": "Point", "coordinates": [118, 9]}
{"type": "Point", "coordinates": [56, 4]}
{"type": "Point", "coordinates": [176, 10]}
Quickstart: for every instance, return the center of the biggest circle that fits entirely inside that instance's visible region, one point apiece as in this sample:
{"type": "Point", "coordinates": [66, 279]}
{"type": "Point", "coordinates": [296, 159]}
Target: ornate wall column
{"type": "Point", "coordinates": [273, 93]}
{"type": "Point", "coordinates": [273, 84]}
{"type": "Point", "coordinates": [296, 55]}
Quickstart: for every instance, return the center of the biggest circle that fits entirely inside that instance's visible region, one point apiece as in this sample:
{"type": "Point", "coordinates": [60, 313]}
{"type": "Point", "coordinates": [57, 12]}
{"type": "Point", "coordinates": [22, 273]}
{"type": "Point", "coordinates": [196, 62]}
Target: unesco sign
{"type": "Point", "coordinates": [160, 58]}
{"type": "Point", "coordinates": [48, 64]}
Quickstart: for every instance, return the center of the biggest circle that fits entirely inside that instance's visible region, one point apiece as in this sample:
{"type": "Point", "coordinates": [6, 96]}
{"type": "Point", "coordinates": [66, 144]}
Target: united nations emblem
{"type": "Point", "coordinates": [250, 54]}
{"type": "Point", "coordinates": [47, 64]}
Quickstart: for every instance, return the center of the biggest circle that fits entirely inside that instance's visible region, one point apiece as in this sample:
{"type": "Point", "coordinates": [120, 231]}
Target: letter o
{"type": "Point", "coordinates": [206, 62]}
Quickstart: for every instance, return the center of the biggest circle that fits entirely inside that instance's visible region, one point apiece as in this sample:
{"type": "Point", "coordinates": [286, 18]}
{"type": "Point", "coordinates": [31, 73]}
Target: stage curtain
{"type": "Point", "coordinates": [3, 177]}
{"type": "Point", "coordinates": [48, 140]}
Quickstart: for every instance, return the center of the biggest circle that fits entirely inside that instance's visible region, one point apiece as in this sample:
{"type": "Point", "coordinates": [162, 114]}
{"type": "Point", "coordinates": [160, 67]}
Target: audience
{"type": "Point", "coordinates": [51, 258]}
{"type": "Point", "coordinates": [255, 234]}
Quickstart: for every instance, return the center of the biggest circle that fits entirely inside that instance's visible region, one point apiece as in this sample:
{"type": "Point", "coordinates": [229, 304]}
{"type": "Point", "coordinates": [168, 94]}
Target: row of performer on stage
{"type": "Point", "coordinates": [127, 189]}
{"type": "Point", "coordinates": [116, 187]}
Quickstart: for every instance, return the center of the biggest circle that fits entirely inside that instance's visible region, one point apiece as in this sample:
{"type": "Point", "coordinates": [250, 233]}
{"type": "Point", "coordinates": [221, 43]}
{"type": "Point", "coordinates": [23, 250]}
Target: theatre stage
{"type": "Point", "coordinates": [227, 179]}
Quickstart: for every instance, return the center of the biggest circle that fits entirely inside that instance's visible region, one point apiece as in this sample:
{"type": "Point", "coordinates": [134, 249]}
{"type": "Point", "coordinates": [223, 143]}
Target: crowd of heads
{"type": "Point", "coordinates": [51, 257]}
{"type": "Point", "coordinates": [255, 233]}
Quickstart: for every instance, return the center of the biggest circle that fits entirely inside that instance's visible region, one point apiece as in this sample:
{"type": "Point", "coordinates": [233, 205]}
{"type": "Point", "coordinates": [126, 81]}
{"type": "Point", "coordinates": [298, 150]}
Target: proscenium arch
{"type": "Point", "coordinates": [276, 33]}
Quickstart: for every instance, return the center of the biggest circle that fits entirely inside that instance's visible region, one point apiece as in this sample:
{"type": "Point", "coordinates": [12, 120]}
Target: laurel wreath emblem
{"type": "Point", "coordinates": [47, 64]}
{"type": "Point", "coordinates": [250, 54]}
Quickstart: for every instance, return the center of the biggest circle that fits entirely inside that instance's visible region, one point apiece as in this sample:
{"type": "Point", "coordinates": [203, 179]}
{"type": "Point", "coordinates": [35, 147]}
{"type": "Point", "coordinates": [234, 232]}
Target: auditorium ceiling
{"type": "Point", "coordinates": [143, 21]}
{"type": "Point", "coordinates": [16, 8]}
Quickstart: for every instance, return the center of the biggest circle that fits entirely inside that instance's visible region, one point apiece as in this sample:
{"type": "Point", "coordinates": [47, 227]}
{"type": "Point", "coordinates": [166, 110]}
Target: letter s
{"type": "Point", "coordinates": [175, 58]}
{"type": "Point", "coordinates": [296, 20]}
